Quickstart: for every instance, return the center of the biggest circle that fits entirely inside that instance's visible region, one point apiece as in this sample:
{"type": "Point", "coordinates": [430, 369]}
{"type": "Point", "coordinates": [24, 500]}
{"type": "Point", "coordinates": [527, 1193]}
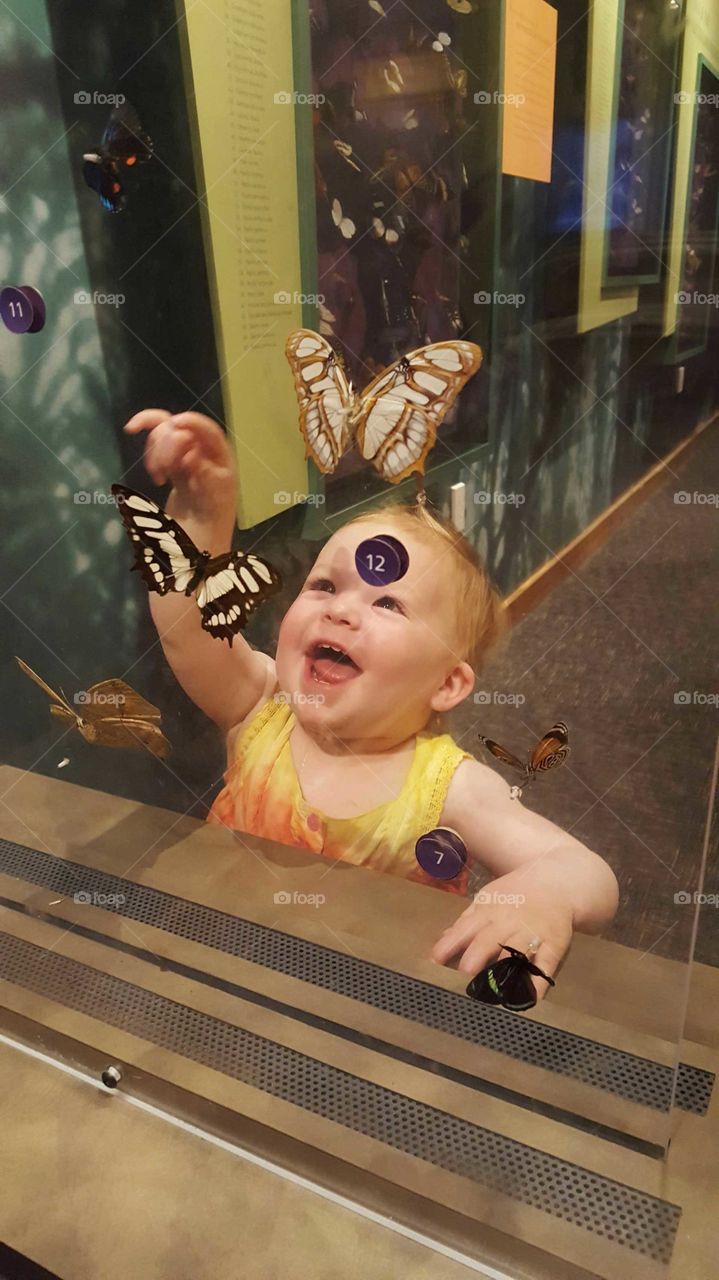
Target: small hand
{"type": "Point", "coordinates": [193, 453]}
{"type": "Point", "coordinates": [514, 909]}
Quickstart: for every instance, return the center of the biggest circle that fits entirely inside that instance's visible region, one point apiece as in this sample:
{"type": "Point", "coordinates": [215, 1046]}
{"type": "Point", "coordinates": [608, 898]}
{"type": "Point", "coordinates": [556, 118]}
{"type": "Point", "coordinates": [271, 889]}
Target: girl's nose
{"type": "Point", "coordinates": [342, 610]}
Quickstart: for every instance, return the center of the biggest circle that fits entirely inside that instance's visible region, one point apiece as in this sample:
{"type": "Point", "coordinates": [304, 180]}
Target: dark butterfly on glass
{"type": "Point", "coordinates": [124, 145]}
{"type": "Point", "coordinates": [508, 982]}
{"type": "Point", "coordinates": [228, 587]}
{"type": "Point", "coordinates": [551, 751]}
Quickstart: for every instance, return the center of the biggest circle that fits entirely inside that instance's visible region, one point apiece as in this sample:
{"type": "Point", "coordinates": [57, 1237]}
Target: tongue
{"type": "Point", "coordinates": [333, 671]}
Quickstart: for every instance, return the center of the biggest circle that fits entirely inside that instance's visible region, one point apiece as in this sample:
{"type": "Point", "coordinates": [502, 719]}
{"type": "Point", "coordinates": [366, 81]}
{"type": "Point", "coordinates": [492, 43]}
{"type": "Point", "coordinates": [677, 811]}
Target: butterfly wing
{"type": "Point", "coordinates": [395, 436]}
{"type": "Point", "coordinates": [552, 749]}
{"type": "Point", "coordinates": [403, 406]}
{"type": "Point", "coordinates": [126, 733]}
{"type": "Point", "coordinates": [501, 753]}
{"type": "Point", "coordinates": [124, 139]}
{"type": "Point", "coordinates": [518, 990]}
{"type": "Point", "coordinates": [231, 589]}
{"type": "Point", "coordinates": [101, 176]}
{"type": "Point", "coordinates": [324, 397]}
{"type": "Point", "coordinates": [488, 986]}
{"type": "Point", "coordinates": [166, 557]}
{"type": "Point", "coordinates": [115, 698]}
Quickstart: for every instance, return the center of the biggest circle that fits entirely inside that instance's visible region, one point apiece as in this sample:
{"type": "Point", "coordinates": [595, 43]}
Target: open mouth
{"type": "Point", "coordinates": [329, 664]}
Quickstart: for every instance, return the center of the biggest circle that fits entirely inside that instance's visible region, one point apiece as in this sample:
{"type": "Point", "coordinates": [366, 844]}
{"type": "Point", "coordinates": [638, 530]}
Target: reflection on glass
{"type": "Point", "coordinates": [702, 213]}
{"type": "Point", "coordinates": [637, 192]}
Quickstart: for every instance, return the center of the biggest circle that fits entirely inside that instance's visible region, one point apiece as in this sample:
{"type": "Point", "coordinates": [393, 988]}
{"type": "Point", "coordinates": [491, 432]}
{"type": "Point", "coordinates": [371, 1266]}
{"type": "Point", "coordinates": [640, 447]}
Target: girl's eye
{"type": "Point", "coordinates": [319, 584]}
{"type": "Point", "coordinates": [394, 603]}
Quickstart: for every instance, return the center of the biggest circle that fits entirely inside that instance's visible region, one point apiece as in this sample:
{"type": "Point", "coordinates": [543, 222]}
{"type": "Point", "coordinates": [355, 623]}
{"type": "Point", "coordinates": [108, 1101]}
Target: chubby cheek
{"type": "Point", "coordinates": [392, 659]}
{"type": "Point", "coordinates": [293, 630]}
{"type": "Point", "coordinates": [405, 663]}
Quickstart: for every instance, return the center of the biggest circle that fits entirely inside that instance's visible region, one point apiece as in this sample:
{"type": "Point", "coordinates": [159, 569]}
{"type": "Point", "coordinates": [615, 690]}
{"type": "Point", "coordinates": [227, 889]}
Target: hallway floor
{"type": "Point", "coordinates": [607, 651]}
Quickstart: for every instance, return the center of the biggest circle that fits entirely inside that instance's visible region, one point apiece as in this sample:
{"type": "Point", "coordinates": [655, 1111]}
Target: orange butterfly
{"type": "Point", "coordinates": [550, 751]}
{"type": "Point", "coordinates": [394, 420]}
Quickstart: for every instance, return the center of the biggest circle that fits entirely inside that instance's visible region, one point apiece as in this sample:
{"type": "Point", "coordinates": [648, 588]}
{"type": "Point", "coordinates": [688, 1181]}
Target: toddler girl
{"type": "Point", "coordinates": [334, 744]}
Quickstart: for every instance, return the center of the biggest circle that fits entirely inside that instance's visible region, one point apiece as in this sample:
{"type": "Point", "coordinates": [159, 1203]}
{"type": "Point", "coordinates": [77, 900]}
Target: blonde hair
{"type": "Point", "coordinates": [480, 619]}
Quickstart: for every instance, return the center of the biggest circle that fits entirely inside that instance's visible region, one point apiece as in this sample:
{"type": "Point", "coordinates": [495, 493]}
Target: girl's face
{"type": "Point", "coordinates": [399, 639]}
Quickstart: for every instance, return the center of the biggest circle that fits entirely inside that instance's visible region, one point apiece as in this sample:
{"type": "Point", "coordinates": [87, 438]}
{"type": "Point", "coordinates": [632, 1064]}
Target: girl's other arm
{"type": "Point", "coordinates": [546, 883]}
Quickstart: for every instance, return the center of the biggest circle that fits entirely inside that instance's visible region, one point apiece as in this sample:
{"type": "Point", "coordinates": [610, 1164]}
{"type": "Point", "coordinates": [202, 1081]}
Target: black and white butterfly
{"type": "Point", "coordinates": [228, 587]}
{"type": "Point", "coordinates": [124, 145]}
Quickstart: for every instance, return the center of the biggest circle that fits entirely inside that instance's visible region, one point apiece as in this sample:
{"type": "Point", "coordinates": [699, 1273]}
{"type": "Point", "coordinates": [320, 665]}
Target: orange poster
{"type": "Point", "coordinates": [530, 55]}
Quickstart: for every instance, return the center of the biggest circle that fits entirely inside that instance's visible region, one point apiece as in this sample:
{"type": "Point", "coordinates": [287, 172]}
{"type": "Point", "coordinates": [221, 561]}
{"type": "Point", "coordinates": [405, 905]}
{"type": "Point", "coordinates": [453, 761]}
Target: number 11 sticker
{"type": "Point", "coordinates": [22, 309]}
{"type": "Point", "coordinates": [381, 560]}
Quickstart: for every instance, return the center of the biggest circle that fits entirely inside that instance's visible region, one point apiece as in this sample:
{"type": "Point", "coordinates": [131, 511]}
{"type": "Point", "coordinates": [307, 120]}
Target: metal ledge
{"type": "Point", "coordinates": [616, 1214]}
{"type": "Point", "coordinates": [625, 1075]}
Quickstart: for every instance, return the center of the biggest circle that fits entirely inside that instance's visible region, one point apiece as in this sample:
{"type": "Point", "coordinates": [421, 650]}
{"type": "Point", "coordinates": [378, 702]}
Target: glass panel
{"type": "Point", "coordinates": [577, 463]}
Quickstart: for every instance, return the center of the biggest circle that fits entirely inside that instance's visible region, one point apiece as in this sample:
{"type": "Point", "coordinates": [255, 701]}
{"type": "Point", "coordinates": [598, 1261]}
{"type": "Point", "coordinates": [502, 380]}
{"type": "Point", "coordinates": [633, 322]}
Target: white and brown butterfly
{"type": "Point", "coordinates": [110, 714]}
{"type": "Point", "coordinates": [228, 587]}
{"type": "Point", "coordinates": [551, 751]}
{"type": "Point", "coordinates": [394, 420]}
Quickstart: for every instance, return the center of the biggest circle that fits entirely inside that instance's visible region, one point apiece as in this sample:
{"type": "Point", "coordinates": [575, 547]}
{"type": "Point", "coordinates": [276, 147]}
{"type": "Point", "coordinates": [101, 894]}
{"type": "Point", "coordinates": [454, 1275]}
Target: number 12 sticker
{"type": "Point", "coordinates": [381, 560]}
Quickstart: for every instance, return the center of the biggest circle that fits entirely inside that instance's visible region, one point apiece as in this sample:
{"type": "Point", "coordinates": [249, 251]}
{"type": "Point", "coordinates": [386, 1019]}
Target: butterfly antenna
{"type": "Point", "coordinates": [56, 697]}
{"type": "Point", "coordinates": [421, 499]}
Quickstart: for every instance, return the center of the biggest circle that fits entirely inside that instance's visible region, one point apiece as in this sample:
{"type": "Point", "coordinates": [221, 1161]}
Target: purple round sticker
{"type": "Point", "coordinates": [442, 853]}
{"type": "Point", "coordinates": [381, 560]}
{"type": "Point", "coordinates": [22, 308]}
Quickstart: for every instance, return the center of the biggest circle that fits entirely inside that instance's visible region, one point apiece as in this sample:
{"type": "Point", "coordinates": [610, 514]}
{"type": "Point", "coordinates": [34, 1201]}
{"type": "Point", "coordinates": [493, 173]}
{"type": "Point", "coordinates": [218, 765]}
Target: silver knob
{"type": "Point", "coordinates": [112, 1076]}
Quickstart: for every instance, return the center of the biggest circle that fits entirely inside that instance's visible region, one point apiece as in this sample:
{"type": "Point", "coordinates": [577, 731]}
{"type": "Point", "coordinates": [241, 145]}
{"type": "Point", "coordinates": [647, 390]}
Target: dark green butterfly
{"type": "Point", "coordinates": [508, 982]}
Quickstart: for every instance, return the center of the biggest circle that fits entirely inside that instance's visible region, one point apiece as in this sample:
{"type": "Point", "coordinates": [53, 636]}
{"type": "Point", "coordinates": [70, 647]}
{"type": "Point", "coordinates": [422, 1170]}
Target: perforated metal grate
{"type": "Point", "coordinates": [606, 1208]}
{"type": "Point", "coordinates": [623, 1074]}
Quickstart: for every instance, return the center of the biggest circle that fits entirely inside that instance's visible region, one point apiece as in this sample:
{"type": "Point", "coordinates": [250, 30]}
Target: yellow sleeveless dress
{"type": "Point", "coordinates": [262, 796]}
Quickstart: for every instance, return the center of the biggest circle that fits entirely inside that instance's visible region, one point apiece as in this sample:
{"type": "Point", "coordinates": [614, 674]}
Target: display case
{"type": "Point", "coordinates": [643, 114]}
{"type": "Point", "coordinates": [339, 166]}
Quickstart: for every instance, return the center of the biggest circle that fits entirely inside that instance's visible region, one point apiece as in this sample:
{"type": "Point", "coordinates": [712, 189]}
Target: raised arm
{"type": "Point", "coordinates": [191, 451]}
